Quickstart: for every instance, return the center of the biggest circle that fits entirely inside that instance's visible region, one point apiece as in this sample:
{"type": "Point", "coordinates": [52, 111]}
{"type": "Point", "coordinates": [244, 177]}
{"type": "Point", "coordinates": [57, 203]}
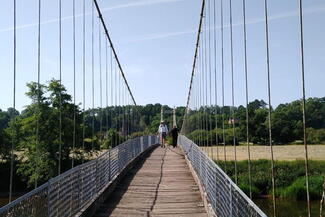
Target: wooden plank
{"type": "Point", "coordinates": [160, 185]}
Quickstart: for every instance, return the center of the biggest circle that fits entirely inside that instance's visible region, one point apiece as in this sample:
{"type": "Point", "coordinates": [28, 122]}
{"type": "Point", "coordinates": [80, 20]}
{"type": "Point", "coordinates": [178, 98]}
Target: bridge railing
{"type": "Point", "coordinates": [224, 196]}
{"type": "Point", "coordinates": [67, 194]}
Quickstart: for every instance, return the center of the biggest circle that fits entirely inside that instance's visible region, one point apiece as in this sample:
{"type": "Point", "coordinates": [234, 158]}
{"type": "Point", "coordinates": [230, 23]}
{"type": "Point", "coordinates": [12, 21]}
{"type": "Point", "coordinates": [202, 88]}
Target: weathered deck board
{"type": "Point", "coordinates": [161, 185]}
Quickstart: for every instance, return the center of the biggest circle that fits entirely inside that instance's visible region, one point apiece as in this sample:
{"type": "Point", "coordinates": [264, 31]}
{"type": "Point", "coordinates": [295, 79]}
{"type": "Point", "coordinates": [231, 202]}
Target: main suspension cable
{"type": "Point", "coordinates": [113, 49]}
{"type": "Point", "coordinates": [194, 62]}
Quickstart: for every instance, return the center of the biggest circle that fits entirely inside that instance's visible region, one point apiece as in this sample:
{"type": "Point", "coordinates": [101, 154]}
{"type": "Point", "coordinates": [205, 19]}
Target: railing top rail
{"type": "Point", "coordinates": [47, 195]}
{"type": "Point", "coordinates": [232, 182]}
{"type": "Point", "coordinates": [189, 146]}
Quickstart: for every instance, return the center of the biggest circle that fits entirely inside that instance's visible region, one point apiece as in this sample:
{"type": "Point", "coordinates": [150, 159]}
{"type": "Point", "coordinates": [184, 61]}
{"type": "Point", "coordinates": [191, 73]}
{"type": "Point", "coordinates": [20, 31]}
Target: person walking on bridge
{"type": "Point", "coordinates": [162, 130]}
{"type": "Point", "coordinates": [174, 134]}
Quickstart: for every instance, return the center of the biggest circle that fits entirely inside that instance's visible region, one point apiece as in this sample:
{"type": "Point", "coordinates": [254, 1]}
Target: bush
{"type": "Point", "coordinates": [315, 136]}
{"type": "Point", "coordinates": [286, 173]}
{"type": "Point", "coordinates": [245, 188]}
{"type": "Point", "coordinates": [298, 188]}
{"type": "Point", "coordinates": [138, 134]}
{"type": "Point", "coordinates": [210, 137]}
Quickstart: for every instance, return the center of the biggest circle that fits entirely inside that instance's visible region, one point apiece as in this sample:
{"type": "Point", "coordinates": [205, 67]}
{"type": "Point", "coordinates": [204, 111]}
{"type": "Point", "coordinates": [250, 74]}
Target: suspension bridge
{"type": "Point", "coordinates": [132, 175]}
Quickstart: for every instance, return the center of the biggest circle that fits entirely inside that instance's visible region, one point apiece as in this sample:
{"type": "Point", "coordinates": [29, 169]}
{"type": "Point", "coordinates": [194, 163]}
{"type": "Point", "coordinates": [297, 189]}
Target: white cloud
{"type": "Point", "coordinates": [121, 6]}
{"type": "Point", "coordinates": [249, 22]}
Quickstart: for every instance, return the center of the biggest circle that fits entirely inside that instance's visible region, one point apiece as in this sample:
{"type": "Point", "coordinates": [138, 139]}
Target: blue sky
{"type": "Point", "coordinates": [155, 41]}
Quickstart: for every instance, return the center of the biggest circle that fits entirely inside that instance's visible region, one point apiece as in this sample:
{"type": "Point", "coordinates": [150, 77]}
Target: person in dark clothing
{"type": "Point", "coordinates": [174, 134]}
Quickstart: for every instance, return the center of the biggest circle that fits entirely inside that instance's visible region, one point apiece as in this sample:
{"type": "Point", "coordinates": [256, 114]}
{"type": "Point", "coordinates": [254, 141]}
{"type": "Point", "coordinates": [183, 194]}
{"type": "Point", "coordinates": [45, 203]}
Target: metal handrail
{"type": "Point", "coordinates": [224, 196]}
{"type": "Point", "coordinates": [68, 193]}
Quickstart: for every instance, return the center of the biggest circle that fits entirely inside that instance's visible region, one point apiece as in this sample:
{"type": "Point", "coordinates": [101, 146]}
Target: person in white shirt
{"type": "Point", "coordinates": [162, 130]}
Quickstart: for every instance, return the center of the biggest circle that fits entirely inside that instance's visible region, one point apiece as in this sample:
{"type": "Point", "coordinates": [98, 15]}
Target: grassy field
{"type": "Point", "coordinates": [283, 152]}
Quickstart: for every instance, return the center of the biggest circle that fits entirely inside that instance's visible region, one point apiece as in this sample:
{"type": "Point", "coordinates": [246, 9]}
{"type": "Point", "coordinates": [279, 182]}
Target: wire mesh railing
{"type": "Point", "coordinates": [67, 194]}
{"type": "Point", "coordinates": [224, 196]}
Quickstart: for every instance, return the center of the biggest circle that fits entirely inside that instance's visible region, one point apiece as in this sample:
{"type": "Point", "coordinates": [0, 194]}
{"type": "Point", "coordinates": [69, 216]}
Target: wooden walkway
{"type": "Point", "coordinates": [161, 185]}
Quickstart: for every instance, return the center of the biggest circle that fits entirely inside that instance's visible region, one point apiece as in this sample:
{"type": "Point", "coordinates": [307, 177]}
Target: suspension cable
{"type": "Point", "coordinates": [12, 156]}
{"type": "Point", "coordinates": [74, 81]}
{"type": "Point", "coordinates": [232, 88]}
{"type": "Point", "coordinates": [322, 201]}
{"type": "Point", "coordinates": [270, 105]}
{"type": "Point", "coordinates": [93, 77]}
{"type": "Point", "coordinates": [201, 92]}
{"type": "Point", "coordinates": [304, 103]}
{"type": "Point", "coordinates": [112, 96]}
{"type": "Point", "coordinates": [84, 76]}
{"type": "Point", "coordinates": [206, 80]}
{"type": "Point", "coordinates": [195, 102]}
{"type": "Point", "coordinates": [215, 75]}
{"type": "Point", "coordinates": [210, 83]}
{"type": "Point", "coordinates": [223, 87]}
{"type": "Point", "coordinates": [119, 107]}
{"type": "Point", "coordinates": [203, 82]}
{"type": "Point", "coordinates": [123, 110]}
{"type": "Point", "coordinates": [247, 96]}
{"type": "Point", "coordinates": [60, 80]}
{"type": "Point", "coordinates": [115, 108]}
{"type": "Point", "coordinates": [100, 85]}
{"type": "Point", "coordinates": [38, 89]}
{"type": "Point", "coordinates": [106, 90]}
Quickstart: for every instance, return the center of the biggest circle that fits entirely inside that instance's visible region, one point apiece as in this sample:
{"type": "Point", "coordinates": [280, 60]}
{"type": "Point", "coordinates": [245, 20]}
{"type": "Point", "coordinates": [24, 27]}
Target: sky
{"type": "Point", "coordinates": [155, 42]}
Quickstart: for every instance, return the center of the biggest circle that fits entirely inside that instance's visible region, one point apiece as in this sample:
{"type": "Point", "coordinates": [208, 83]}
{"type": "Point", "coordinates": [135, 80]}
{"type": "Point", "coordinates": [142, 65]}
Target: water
{"type": "Point", "coordinates": [5, 200]}
{"type": "Point", "coordinates": [288, 208]}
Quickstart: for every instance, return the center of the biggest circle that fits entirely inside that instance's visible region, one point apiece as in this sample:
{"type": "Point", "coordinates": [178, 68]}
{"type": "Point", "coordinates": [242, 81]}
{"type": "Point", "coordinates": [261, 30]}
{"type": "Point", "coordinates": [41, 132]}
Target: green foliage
{"type": "Point", "coordinates": [245, 188]}
{"type": "Point", "coordinates": [286, 122]}
{"type": "Point", "coordinates": [286, 174]}
{"type": "Point", "coordinates": [113, 138]}
{"type": "Point", "coordinates": [213, 137]}
{"type": "Point", "coordinates": [138, 134]}
{"type": "Point", "coordinates": [315, 136]}
{"type": "Point", "coordinates": [6, 119]}
{"type": "Point", "coordinates": [297, 190]}
{"type": "Point", "coordinates": [35, 135]}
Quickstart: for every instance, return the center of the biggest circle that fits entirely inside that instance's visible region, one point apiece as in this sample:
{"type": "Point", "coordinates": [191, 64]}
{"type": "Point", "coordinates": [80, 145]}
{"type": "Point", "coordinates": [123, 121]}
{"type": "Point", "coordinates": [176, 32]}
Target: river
{"type": "Point", "coordinates": [288, 208]}
{"type": "Point", "coordinates": [4, 200]}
